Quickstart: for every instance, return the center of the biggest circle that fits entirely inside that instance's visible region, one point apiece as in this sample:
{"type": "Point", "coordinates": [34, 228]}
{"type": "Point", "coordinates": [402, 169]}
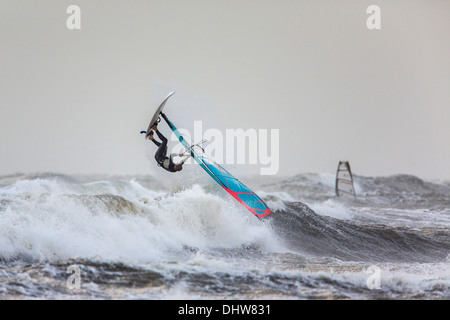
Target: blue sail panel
{"type": "Point", "coordinates": [233, 186]}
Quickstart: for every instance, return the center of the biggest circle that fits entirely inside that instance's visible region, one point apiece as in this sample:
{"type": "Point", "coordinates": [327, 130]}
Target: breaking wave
{"type": "Point", "coordinates": [54, 217]}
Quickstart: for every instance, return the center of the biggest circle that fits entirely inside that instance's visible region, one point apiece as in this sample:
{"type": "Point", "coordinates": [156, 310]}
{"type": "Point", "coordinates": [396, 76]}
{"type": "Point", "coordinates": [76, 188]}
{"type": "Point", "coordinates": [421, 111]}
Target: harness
{"type": "Point", "coordinates": [164, 163]}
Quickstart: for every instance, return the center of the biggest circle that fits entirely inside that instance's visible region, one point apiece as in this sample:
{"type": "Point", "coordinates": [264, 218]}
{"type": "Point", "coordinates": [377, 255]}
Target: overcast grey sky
{"type": "Point", "coordinates": [74, 101]}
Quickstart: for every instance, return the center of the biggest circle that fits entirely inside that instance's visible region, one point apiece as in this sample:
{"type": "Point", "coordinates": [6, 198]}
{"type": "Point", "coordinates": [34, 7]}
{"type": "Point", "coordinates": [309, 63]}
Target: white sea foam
{"type": "Point", "coordinates": [194, 234]}
{"type": "Point", "coordinates": [49, 221]}
{"type": "Point", "coordinates": [332, 208]}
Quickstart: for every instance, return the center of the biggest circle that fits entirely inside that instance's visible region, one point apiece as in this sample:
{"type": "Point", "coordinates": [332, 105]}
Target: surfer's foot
{"type": "Point", "coordinates": [155, 127]}
{"type": "Point", "coordinates": [150, 136]}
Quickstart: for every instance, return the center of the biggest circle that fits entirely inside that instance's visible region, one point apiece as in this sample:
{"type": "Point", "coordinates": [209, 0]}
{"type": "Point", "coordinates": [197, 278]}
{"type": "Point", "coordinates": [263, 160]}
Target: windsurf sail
{"type": "Point", "coordinates": [344, 180]}
{"type": "Point", "coordinates": [228, 182]}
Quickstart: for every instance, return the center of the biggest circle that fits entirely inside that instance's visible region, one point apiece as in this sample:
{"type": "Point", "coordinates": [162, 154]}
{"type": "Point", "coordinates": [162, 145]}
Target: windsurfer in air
{"type": "Point", "coordinates": [164, 161]}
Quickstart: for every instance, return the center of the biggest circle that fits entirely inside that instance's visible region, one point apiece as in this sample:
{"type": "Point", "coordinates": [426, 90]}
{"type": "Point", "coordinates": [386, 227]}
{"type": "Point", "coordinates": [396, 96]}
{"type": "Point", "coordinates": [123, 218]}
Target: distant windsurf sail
{"type": "Point", "coordinates": [228, 182]}
{"type": "Point", "coordinates": [344, 180]}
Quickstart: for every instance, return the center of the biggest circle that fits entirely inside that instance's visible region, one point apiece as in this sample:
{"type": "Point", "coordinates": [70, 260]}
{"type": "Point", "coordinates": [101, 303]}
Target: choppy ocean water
{"type": "Point", "coordinates": [131, 237]}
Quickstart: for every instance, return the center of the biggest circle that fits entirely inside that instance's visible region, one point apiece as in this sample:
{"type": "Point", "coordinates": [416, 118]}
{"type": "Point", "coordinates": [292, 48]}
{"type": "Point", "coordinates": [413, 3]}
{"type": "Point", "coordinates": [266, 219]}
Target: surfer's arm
{"type": "Point", "coordinates": [179, 155]}
{"type": "Point", "coordinates": [184, 160]}
{"type": "Point", "coordinates": [173, 155]}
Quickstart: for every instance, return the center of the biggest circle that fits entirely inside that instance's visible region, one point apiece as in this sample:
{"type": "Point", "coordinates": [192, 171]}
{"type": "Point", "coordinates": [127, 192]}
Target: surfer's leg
{"type": "Point", "coordinates": [162, 149]}
{"type": "Point", "coordinates": [160, 154]}
{"type": "Point", "coordinates": [160, 135]}
{"type": "Point", "coordinates": [153, 139]}
{"type": "Point", "coordinates": [156, 142]}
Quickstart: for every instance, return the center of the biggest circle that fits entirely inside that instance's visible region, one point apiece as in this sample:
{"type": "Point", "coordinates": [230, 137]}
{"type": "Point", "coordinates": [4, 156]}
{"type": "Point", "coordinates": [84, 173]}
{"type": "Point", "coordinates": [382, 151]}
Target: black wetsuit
{"type": "Point", "coordinates": [161, 154]}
